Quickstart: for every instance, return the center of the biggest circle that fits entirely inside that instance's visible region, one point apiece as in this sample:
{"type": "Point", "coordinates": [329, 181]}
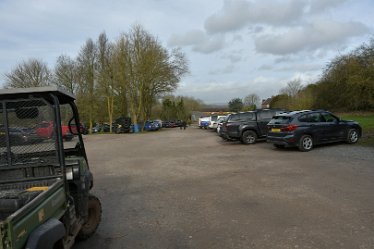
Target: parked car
{"type": "Point", "coordinates": [178, 123]}
{"type": "Point", "coordinates": [158, 123]}
{"type": "Point", "coordinates": [150, 125]}
{"type": "Point", "coordinates": [248, 126]}
{"type": "Point", "coordinates": [204, 122]}
{"type": "Point", "coordinates": [123, 125]}
{"type": "Point", "coordinates": [96, 128]}
{"type": "Point", "coordinates": [169, 124]}
{"type": "Point", "coordinates": [165, 124]}
{"type": "Point", "coordinates": [19, 136]}
{"type": "Point", "coordinates": [215, 121]}
{"type": "Point", "coordinates": [106, 127]}
{"type": "Point", "coordinates": [305, 129]}
{"type": "Point", "coordinates": [46, 131]}
{"type": "Point", "coordinates": [219, 124]}
{"type": "Point", "coordinates": [83, 129]}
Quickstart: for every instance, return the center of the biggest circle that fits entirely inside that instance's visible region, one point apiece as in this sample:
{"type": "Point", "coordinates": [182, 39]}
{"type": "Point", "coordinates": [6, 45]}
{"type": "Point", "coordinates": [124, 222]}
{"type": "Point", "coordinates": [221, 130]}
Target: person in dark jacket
{"type": "Point", "coordinates": [184, 125]}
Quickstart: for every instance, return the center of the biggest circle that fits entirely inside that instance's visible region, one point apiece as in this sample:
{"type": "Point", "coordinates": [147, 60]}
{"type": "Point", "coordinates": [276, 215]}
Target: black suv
{"type": "Point", "coordinates": [122, 125]}
{"type": "Point", "coordinates": [304, 129]}
{"type": "Point", "coordinates": [247, 126]}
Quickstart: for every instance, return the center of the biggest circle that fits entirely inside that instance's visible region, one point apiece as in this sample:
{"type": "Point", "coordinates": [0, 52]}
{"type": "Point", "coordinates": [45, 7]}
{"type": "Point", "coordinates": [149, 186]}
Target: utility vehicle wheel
{"type": "Point", "coordinates": [93, 220]}
{"type": "Point", "coordinates": [305, 143]}
{"type": "Point", "coordinates": [352, 136]}
{"type": "Point", "coordinates": [249, 137]}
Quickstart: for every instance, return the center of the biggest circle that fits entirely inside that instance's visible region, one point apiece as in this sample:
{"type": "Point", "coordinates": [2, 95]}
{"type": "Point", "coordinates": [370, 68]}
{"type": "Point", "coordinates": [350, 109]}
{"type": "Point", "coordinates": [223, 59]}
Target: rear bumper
{"type": "Point", "coordinates": [288, 141]}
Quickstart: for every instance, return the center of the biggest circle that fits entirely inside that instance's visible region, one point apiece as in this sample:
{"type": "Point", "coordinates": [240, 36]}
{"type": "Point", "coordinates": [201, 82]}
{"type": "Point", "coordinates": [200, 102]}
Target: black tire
{"type": "Point", "coordinates": [305, 143]}
{"type": "Point", "coordinates": [93, 220]}
{"type": "Point", "coordinates": [352, 136]}
{"type": "Point", "coordinates": [279, 146]}
{"type": "Point", "coordinates": [249, 137]}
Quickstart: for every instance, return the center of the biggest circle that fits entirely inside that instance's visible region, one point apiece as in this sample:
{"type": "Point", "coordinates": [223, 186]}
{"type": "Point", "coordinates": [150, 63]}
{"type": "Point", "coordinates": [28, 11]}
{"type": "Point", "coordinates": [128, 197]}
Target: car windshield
{"type": "Point", "coordinates": [280, 120]}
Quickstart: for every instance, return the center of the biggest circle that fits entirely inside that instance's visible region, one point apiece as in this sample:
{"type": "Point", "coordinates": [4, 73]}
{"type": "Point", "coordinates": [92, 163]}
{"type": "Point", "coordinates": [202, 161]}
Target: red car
{"type": "Point", "coordinates": [45, 130]}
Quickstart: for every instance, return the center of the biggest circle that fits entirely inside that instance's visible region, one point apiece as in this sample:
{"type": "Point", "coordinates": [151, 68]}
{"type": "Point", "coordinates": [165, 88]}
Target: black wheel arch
{"type": "Point", "coordinates": [46, 235]}
{"type": "Point", "coordinates": [248, 128]}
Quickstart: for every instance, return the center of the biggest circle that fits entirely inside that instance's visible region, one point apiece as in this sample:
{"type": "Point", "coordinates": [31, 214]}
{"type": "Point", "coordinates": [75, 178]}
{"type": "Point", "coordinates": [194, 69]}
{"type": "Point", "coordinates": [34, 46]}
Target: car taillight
{"type": "Point", "coordinates": [291, 127]}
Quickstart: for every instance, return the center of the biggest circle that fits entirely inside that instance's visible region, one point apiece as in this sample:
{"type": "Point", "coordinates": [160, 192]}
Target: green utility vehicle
{"type": "Point", "coordinates": [45, 181]}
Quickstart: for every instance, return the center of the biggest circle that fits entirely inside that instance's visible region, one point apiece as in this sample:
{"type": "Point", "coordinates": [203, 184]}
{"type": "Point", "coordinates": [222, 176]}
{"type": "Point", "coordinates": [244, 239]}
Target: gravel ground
{"type": "Point", "coordinates": [189, 189]}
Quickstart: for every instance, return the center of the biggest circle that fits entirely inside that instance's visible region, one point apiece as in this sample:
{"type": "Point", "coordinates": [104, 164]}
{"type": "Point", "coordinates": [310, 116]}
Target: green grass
{"type": "Point", "coordinates": [366, 121]}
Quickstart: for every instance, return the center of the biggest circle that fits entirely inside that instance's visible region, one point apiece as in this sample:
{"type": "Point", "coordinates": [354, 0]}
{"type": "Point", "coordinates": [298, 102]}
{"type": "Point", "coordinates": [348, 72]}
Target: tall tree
{"type": "Point", "coordinates": [87, 81]}
{"type": "Point", "coordinates": [236, 105]}
{"type": "Point", "coordinates": [168, 109]}
{"type": "Point", "coordinates": [151, 71]}
{"type": "Point", "coordinates": [250, 101]}
{"type": "Point", "coordinates": [293, 88]}
{"type": "Point", "coordinates": [121, 74]}
{"type": "Point", "coordinates": [33, 73]}
{"type": "Point", "coordinates": [65, 74]}
{"type": "Point", "coordinates": [105, 74]}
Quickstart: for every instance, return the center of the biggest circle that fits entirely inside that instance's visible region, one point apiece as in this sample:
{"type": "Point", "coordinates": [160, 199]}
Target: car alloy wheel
{"type": "Point", "coordinates": [352, 136]}
{"type": "Point", "coordinates": [306, 143]}
{"type": "Point", "coordinates": [249, 137]}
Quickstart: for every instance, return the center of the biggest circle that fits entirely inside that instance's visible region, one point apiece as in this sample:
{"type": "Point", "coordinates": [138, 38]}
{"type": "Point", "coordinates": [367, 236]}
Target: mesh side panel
{"type": "Point", "coordinates": [31, 132]}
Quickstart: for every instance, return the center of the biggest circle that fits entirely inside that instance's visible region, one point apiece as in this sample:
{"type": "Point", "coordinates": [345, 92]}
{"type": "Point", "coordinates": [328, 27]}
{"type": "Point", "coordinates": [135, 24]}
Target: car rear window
{"type": "Point", "coordinates": [280, 120]}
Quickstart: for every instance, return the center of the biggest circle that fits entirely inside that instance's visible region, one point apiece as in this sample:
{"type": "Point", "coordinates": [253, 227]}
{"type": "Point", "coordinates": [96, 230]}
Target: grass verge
{"type": "Point", "coordinates": [366, 121]}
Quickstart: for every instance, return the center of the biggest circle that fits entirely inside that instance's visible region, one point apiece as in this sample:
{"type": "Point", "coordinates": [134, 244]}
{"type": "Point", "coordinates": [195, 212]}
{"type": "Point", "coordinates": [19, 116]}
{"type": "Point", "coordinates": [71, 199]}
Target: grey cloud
{"type": "Point", "coordinates": [234, 56]}
{"type": "Point", "coordinates": [236, 14]}
{"type": "Point", "coordinates": [210, 45]}
{"type": "Point", "coordinates": [199, 41]}
{"type": "Point", "coordinates": [190, 38]}
{"type": "Point", "coordinates": [266, 67]}
{"type": "Point", "coordinates": [322, 5]}
{"type": "Point", "coordinates": [321, 33]}
{"type": "Point", "coordinates": [226, 70]}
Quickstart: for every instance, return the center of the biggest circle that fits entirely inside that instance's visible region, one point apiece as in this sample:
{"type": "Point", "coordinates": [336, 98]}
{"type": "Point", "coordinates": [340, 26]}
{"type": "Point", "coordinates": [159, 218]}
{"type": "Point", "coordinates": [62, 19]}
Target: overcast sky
{"type": "Point", "coordinates": [234, 47]}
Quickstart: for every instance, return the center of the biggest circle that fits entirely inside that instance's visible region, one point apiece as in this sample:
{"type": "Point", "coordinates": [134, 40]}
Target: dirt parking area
{"type": "Point", "coordinates": [189, 189]}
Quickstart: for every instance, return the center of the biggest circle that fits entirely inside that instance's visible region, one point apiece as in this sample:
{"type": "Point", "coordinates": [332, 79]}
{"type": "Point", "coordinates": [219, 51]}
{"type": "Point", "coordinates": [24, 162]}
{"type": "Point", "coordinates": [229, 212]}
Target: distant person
{"type": "Point", "coordinates": [184, 125]}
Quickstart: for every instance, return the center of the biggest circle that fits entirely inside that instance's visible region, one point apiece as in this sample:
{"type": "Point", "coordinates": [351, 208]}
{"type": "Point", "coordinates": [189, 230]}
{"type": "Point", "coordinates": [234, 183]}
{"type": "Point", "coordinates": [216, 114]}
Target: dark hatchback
{"type": "Point", "coordinates": [19, 136]}
{"type": "Point", "coordinates": [305, 129]}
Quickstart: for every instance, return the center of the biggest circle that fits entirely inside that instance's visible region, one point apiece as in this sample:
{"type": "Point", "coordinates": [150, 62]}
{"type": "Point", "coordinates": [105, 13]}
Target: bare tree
{"type": "Point", "coordinates": [251, 101]}
{"type": "Point", "coordinates": [293, 88]}
{"type": "Point", "coordinates": [65, 74]}
{"type": "Point", "coordinates": [150, 70]}
{"type": "Point", "coordinates": [105, 74]}
{"type": "Point", "coordinates": [32, 73]}
{"type": "Point", "coordinates": [121, 74]}
{"type": "Point", "coordinates": [87, 82]}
